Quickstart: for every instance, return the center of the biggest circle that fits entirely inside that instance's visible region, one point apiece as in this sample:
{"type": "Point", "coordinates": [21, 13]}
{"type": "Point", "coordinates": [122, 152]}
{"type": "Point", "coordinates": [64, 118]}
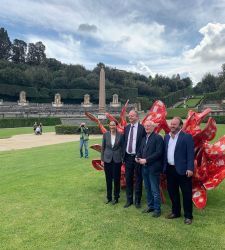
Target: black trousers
{"type": "Point", "coordinates": [174, 182]}
{"type": "Point", "coordinates": [132, 169]}
{"type": "Point", "coordinates": [112, 173]}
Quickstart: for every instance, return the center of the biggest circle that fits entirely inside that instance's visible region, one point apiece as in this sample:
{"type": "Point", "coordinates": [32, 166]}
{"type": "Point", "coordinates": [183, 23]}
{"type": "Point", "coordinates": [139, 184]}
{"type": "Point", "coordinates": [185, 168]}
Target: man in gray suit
{"type": "Point", "coordinates": [111, 159]}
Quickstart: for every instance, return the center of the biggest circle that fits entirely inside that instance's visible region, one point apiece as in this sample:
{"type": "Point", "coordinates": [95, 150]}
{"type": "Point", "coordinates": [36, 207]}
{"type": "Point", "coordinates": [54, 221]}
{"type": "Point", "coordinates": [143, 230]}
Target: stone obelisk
{"type": "Point", "coordinates": [101, 106]}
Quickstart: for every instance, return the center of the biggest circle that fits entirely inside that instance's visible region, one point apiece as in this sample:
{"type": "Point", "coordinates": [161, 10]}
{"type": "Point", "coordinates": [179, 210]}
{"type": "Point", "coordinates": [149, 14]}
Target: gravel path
{"type": "Point", "coordinates": [31, 140]}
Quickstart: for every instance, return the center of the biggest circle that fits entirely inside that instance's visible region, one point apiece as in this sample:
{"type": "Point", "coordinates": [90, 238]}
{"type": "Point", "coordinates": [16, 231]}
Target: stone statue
{"type": "Point", "coordinates": [57, 102]}
{"type": "Point", "coordinates": [86, 102]}
{"type": "Point", "coordinates": [22, 101]}
{"type": "Point", "coordinates": [115, 102]}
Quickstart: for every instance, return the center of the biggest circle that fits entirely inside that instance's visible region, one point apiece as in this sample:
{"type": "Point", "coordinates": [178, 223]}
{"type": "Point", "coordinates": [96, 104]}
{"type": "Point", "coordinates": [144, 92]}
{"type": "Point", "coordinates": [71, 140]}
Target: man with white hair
{"type": "Point", "coordinates": [150, 156]}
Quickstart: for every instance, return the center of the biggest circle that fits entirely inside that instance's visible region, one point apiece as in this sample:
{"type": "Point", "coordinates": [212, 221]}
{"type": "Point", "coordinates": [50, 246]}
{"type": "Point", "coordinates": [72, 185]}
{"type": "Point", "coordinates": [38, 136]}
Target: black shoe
{"type": "Point", "coordinates": [108, 201]}
{"type": "Point", "coordinates": [138, 205]}
{"type": "Point", "coordinates": [172, 216]}
{"type": "Point", "coordinates": [128, 204]}
{"type": "Point", "coordinates": [187, 221]}
{"type": "Point", "coordinates": [156, 214]}
{"type": "Point", "coordinates": [148, 210]}
{"type": "Point", "coordinates": [115, 202]}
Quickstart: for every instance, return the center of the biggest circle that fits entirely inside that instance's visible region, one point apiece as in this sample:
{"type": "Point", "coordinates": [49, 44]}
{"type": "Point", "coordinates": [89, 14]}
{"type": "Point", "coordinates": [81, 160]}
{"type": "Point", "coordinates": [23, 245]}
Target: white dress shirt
{"type": "Point", "coordinates": [171, 149]}
{"type": "Point", "coordinates": [135, 128]}
{"type": "Point", "coordinates": [113, 138]}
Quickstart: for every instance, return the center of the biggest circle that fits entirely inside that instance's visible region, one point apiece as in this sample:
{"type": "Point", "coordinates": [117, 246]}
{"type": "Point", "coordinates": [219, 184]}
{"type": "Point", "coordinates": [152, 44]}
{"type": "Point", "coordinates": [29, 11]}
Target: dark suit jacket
{"type": "Point", "coordinates": [140, 134]}
{"type": "Point", "coordinates": [183, 154]}
{"type": "Point", "coordinates": [152, 152]}
{"type": "Point", "coordinates": [110, 153]}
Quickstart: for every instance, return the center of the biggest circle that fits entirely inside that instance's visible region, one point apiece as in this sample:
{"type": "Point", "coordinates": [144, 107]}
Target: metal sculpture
{"type": "Point", "coordinates": [209, 162]}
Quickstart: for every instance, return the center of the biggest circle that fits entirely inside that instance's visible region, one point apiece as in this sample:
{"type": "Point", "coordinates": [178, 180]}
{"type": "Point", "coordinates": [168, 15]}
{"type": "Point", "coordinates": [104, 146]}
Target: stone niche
{"type": "Point", "coordinates": [57, 101]}
{"type": "Point", "coordinates": [86, 102]}
{"type": "Point", "coordinates": [115, 103]}
{"type": "Point", "coordinates": [22, 101]}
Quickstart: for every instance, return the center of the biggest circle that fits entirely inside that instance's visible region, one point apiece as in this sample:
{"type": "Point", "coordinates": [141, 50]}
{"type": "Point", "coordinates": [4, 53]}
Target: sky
{"type": "Point", "coordinates": [146, 36]}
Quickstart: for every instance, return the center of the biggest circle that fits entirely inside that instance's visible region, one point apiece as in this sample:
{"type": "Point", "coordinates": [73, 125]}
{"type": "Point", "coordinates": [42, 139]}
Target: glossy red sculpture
{"type": "Point", "coordinates": [209, 162]}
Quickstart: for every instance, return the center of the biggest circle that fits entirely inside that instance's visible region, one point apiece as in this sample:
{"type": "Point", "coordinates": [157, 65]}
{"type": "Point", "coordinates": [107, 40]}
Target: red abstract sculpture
{"type": "Point", "coordinates": [209, 162]}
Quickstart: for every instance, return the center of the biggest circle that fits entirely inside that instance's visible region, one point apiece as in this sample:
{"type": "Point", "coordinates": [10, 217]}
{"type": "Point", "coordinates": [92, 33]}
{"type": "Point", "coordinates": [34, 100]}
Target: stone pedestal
{"type": "Point", "coordinates": [115, 102]}
{"type": "Point", "coordinates": [22, 101]}
{"type": "Point", "coordinates": [86, 102]}
{"type": "Point", "coordinates": [57, 103]}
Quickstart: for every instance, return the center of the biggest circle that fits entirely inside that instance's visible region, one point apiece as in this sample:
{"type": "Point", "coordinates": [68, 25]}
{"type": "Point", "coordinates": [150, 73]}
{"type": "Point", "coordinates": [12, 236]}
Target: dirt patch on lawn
{"type": "Point", "coordinates": [31, 140]}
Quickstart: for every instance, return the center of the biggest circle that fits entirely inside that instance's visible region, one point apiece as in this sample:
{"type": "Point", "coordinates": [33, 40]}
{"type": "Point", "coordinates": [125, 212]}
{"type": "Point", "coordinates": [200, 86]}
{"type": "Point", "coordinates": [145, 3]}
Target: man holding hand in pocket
{"type": "Point", "coordinates": [179, 167]}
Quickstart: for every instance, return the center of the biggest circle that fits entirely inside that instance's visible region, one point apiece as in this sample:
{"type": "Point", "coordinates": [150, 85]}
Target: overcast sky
{"type": "Point", "coordinates": [152, 36]}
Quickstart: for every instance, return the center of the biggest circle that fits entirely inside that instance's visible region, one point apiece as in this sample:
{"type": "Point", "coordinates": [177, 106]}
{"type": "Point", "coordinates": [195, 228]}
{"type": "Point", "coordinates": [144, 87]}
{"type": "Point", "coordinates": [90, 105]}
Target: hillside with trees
{"type": "Point", "coordinates": [26, 67]}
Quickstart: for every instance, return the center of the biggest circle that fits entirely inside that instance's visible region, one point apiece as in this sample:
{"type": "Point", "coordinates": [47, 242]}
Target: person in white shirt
{"type": "Point", "coordinates": [179, 167]}
{"type": "Point", "coordinates": [111, 159]}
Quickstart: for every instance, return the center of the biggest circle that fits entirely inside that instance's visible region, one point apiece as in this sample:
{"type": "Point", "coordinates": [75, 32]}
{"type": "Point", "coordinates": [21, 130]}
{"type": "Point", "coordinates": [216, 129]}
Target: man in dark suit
{"type": "Point", "coordinates": [150, 156]}
{"type": "Point", "coordinates": [179, 167]}
{"type": "Point", "coordinates": [133, 135]}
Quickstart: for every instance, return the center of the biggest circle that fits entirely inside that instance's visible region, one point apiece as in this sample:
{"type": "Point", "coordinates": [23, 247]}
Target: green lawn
{"type": "Point", "coordinates": [8, 132]}
{"type": "Point", "coordinates": [52, 199]}
{"type": "Point", "coordinates": [191, 102]}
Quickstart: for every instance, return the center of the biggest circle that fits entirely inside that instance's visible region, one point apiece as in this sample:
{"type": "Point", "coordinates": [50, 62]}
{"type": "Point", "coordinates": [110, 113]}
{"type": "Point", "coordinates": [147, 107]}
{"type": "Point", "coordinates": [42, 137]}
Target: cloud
{"type": "Point", "coordinates": [65, 49]}
{"type": "Point", "coordinates": [212, 46]}
{"type": "Point", "coordinates": [87, 28]}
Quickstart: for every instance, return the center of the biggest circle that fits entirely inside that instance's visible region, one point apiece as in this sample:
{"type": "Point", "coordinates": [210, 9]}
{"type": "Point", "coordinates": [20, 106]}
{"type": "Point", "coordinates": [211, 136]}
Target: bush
{"type": "Point", "coordinates": [28, 122]}
{"type": "Point", "coordinates": [72, 129]}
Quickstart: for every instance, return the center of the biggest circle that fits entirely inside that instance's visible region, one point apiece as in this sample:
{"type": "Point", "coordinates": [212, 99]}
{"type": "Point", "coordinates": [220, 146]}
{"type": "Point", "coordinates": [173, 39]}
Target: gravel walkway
{"type": "Point", "coordinates": [31, 140]}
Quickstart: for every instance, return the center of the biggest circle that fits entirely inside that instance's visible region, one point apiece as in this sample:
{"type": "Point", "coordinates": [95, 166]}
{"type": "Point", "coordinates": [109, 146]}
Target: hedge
{"type": "Point", "coordinates": [213, 96]}
{"type": "Point", "coordinates": [28, 122]}
{"type": "Point", "coordinates": [72, 129]}
{"type": "Point", "coordinates": [218, 119]}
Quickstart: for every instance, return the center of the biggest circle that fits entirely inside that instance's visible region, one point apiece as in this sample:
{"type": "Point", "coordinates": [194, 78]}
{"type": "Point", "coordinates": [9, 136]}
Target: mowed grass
{"type": "Point", "coordinates": [9, 132]}
{"type": "Point", "coordinates": [52, 199]}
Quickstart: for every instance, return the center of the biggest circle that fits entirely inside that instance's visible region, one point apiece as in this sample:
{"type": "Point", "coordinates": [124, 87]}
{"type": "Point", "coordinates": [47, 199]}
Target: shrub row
{"type": "Point", "coordinates": [33, 94]}
{"type": "Point", "coordinates": [218, 119]}
{"type": "Point", "coordinates": [72, 129]}
{"type": "Point", "coordinates": [28, 122]}
{"type": "Point", "coordinates": [174, 97]}
{"type": "Point", "coordinates": [213, 96]}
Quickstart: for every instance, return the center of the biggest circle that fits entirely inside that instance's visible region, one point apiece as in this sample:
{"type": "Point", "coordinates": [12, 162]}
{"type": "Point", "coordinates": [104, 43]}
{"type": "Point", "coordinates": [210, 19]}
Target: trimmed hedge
{"type": "Point", "coordinates": [28, 122]}
{"type": "Point", "coordinates": [72, 129]}
{"type": "Point", "coordinates": [213, 96]}
{"type": "Point", "coordinates": [218, 119]}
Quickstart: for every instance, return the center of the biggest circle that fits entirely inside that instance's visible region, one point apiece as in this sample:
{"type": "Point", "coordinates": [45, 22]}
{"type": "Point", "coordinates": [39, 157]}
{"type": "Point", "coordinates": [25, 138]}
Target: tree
{"type": "Point", "coordinates": [209, 83]}
{"type": "Point", "coordinates": [36, 53]}
{"type": "Point", "coordinates": [19, 49]}
{"type": "Point", "coordinates": [5, 44]}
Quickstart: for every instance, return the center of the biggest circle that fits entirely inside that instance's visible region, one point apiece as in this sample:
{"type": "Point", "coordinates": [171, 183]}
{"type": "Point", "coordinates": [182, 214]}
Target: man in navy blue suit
{"type": "Point", "coordinates": [179, 167]}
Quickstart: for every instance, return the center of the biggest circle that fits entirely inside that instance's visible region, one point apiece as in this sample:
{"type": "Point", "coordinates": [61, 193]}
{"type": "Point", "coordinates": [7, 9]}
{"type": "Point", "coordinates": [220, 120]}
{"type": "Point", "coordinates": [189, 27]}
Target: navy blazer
{"type": "Point", "coordinates": [183, 154]}
{"type": "Point", "coordinates": [140, 134]}
{"type": "Point", "coordinates": [152, 152]}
